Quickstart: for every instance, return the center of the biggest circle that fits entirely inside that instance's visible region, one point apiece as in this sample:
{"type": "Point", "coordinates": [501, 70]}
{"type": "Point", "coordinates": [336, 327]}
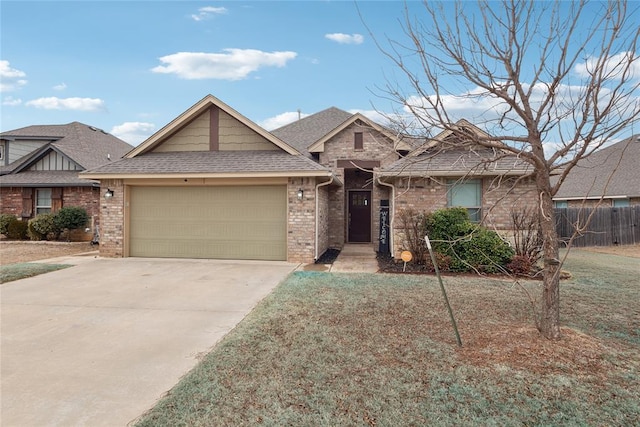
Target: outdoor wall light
{"type": "Point", "coordinates": [300, 194]}
{"type": "Point", "coordinates": [108, 194]}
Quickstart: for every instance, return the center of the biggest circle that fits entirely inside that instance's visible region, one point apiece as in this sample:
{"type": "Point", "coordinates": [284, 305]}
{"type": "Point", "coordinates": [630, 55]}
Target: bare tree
{"type": "Point", "coordinates": [538, 73]}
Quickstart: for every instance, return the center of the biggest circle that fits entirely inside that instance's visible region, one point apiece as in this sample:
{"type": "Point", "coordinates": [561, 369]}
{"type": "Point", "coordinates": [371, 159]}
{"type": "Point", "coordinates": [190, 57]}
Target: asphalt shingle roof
{"type": "Point", "coordinates": [85, 145]}
{"type": "Point", "coordinates": [188, 162]}
{"type": "Point", "coordinates": [304, 132]}
{"type": "Point", "coordinates": [46, 179]}
{"type": "Point", "coordinates": [611, 171]}
{"type": "Point", "coordinates": [462, 161]}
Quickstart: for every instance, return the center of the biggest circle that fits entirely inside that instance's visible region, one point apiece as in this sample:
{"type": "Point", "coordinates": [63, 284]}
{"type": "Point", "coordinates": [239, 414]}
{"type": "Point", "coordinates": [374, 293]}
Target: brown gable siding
{"type": "Point", "coordinates": [214, 128]}
{"type": "Point", "coordinates": [235, 136]}
{"type": "Point", "coordinates": [192, 137]}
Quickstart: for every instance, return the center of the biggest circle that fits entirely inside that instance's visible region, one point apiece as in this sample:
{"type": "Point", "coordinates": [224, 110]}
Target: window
{"type": "Point", "coordinates": [620, 203]}
{"type": "Point", "coordinates": [43, 200]}
{"type": "Point", "coordinates": [561, 204]}
{"type": "Point", "coordinates": [357, 141]}
{"type": "Point", "coordinates": [467, 194]}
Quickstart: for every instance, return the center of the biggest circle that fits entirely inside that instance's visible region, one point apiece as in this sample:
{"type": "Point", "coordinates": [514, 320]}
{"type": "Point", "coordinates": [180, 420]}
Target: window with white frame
{"type": "Point", "coordinates": [620, 203]}
{"type": "Point", "coordinates": [561, 204]}
{"type": "Point", "coordinates": [466, 194]}
{"type": "Point", "coordinates": [43, 200]}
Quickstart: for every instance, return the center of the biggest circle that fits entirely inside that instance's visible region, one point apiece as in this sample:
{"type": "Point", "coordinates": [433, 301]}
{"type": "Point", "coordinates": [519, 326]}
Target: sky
{"type": "Point", "coordinates": [130, 67]}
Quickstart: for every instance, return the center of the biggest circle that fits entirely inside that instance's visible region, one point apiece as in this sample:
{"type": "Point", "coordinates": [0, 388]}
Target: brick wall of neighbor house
{"type": "Point", "coordinates": [84, 197]}
{"type": "Point", "coordinates": [605, 203]}
{"type": "Point", "coordinates": [11, 200]}
{"type": "Point", "coordinates": [424, 194]}
{"type": "Point", "coordinates": [341, 147]}
{"type": "Point", "coordinates": [301, 220]}
{"type": "Point", "coordinates": [112, 219]}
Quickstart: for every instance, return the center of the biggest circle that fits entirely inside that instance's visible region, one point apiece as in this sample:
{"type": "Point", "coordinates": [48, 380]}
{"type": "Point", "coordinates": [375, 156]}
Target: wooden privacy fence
{"type": "Point", "coordinates": [607, 226]}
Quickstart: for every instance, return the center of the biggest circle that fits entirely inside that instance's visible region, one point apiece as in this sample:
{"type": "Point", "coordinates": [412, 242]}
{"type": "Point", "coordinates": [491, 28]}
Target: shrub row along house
{"type": "Point", "coordinates": [39, 168]}
{"type": "Point", "coordinates": [213, 184]}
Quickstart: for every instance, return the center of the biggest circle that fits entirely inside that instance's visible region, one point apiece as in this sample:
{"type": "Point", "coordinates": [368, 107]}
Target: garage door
{"type": "Point", "coordinates": [209, 222]}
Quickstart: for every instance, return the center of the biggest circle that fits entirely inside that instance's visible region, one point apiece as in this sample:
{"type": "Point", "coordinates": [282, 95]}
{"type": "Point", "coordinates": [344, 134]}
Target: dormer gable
{"type": "Point", "coordinates": [360, 120]}
{"type": "Point", "coordinates": [211, 125]}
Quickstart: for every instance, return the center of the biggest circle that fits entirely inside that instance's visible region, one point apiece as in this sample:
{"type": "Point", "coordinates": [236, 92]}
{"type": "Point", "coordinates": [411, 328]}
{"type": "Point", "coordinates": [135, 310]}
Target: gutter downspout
{"type": "Point", "coordinates": [392, 209]}
{"type": "Point", "coordinates": [322, 184]}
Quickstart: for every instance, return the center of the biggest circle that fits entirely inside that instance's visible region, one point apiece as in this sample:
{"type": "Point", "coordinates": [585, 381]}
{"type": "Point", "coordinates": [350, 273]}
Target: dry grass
{"type": "Point", "coordinates": [331, 349]}
{"type": "Point", "coordinates": [16, 251]}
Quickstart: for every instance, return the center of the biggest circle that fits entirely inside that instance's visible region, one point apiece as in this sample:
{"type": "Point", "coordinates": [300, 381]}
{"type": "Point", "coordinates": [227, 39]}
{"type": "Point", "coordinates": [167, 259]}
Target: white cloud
{"type": "Point", "coordinates": [10, 78]}
{"type": "Point", "coordinates": [133, 132]}
{"type": "Point", "coordinates": [281, 120]}
{"type": "Point", "coordinates": [61, 86]}
{"type": "Point", "coordinates": [76, 104]}
{"type": "Point", "coordinates": [207, 12]}
{"type": "Point", "coordinates": [10, 101]}
{"type": "Point", "coordinates": [233, 64]}
{"type": "Point", "coordinates": [345, 38]}
{"type": "Point", "coordinates": [614, 66]}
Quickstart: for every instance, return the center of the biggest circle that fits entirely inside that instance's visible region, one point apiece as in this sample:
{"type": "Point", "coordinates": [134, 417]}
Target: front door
{"type": "Point", "coordinates": [359, 216]}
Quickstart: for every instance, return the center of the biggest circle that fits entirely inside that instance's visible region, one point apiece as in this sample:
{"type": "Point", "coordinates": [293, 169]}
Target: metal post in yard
{"type": "Point", "coordinates": [444, 293]}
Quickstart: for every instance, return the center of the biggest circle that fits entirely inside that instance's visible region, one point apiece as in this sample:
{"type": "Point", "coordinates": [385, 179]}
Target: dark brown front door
{"type": "Point", "coordinates": [359, 216]}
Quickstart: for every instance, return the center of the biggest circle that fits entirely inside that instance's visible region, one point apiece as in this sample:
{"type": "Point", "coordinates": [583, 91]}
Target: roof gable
{"type": "Point", "coordinates": [318, 146]}
{"type": "Point", "coordinates": [86, 146]}
{"type": "Point", "coordinates": [211, 125]}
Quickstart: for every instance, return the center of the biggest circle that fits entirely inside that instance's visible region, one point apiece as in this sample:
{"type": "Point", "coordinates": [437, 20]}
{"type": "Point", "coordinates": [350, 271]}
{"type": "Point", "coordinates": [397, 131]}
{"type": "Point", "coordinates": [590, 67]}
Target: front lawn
{"type": "Point", "coordinates": [337, 349]}
{"type": "Point", "coordinates": [11, 272]}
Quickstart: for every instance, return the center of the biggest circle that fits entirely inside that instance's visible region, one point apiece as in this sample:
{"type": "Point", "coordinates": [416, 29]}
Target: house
{"type": "Point", "coordinates": [39, 167]}
{"type": "Point", "coordinates": [610, 177]}
{"type": "Point", "coordinates": [213, 184]}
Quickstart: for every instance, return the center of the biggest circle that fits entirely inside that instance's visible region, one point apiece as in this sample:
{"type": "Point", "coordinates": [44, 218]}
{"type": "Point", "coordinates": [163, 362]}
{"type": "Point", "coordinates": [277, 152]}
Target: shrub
{"type": "Point", "coordinates": [71, 218]}
{"type": "Point", "coordinates": [520, 265]}
{"type": "Point", "coordinates": [469, 246]}
{"type": "Point", "coordinates": [527, 236]}
{"type": "Point", "coordinates": [443, 261]}
{"type": "Point", "coordinates": [43, 227]}
{"type": "Point", "coordinates": [414, 224]}
{"type": "Point", "coordinates": [17, 229]}
{"type": "Point", "coordinates": [5, 220]}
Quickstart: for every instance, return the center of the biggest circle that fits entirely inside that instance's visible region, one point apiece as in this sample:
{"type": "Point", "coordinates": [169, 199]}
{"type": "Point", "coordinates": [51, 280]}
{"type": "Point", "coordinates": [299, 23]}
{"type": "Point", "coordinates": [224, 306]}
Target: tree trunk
{"type": "Point", "coordinates": [549, 321]}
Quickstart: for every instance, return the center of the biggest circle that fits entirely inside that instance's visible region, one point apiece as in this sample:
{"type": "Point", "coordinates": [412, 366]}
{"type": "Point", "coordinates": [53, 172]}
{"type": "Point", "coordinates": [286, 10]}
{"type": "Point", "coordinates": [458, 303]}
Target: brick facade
{"type": "Point", "coordinates": [112, 219]}
{"type": "Point", "coordinates": [375, 147]}
{"type": "Point", "coordinates": [85, 197]}
{"type": "Point", "coordinates": [499, 199]}
{"type": "Point", "coordinates": [301, 220]}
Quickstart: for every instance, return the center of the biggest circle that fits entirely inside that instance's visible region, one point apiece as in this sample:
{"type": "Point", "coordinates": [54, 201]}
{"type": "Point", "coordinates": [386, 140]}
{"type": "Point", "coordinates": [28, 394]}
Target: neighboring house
{"type": "Point", "coordinates": [213, 184]}
{"type": "Point", "coordinates": [39, 167]}
{"type": "Point", "coordinates": [610, 177]}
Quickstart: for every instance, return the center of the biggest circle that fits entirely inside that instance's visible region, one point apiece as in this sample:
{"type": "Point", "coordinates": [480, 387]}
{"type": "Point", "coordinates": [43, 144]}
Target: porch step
{"type": "Point", "coordinates": [356, 258]}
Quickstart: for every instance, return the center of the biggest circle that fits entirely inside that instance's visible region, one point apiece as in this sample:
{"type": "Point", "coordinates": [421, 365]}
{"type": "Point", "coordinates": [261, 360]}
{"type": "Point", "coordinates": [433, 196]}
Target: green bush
{"type": "Point", "coordinates": [5, 220]}
{"type": "Point", "coordinates": [469, 246]}
{"type": "Point", "coordinates": [43, 227]}
{"type": "Point", "coordinates": [17, 229]}
{"type": "Point", "coordinates": [71, 218]}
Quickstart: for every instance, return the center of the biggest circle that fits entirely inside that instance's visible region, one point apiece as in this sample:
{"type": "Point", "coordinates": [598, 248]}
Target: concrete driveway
{"type": "Point", "coordinates": [99, 343]}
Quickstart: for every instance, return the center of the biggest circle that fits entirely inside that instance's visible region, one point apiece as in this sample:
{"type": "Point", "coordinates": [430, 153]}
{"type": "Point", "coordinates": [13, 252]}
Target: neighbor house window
{"type": "Point", "coordinates": [620, 203]}
{"type": "Point", "coordinates": [357, 141]}
{"type": "Point", "coordinates": [43, 200]}
{"type": "Point", "coordinates": [466, 194]}
{"type": "Point", "coordinates": [561, 204]}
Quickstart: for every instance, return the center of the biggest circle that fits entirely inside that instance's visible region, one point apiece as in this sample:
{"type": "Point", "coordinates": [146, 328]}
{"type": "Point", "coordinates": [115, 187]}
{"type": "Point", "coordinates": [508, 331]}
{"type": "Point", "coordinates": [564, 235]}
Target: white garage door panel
{"type": "Point", "coordinates": [209, 222]}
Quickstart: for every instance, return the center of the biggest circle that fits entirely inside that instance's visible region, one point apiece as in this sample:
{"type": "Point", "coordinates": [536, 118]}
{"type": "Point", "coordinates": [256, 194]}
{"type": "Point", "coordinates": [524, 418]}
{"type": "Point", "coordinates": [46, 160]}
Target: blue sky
{"type": "Point", "coordinates": [130, 67]}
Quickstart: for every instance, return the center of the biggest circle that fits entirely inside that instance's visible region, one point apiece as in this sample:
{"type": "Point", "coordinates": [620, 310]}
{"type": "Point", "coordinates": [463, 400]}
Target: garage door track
{"type": "Point", "coordinates": [98, 343]}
